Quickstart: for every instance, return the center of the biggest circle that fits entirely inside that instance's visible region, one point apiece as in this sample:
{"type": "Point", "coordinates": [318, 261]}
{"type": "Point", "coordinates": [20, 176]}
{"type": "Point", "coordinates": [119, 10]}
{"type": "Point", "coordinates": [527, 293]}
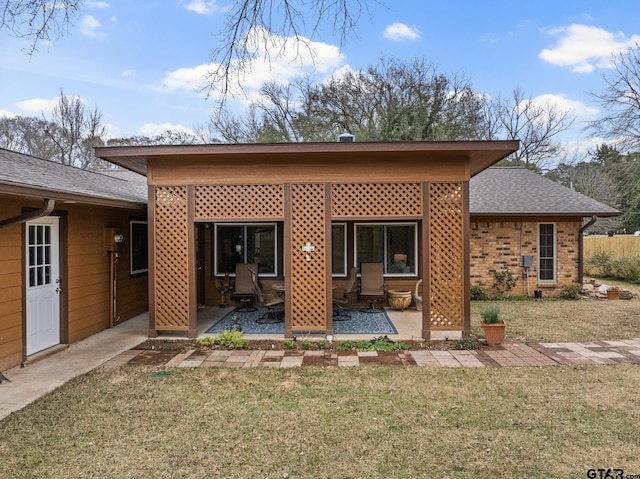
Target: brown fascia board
{"type": "Point", "coordinates": [541, 214]}
{"type": "Point", "coordinates": [482, 154]}
{"type": "Point", "coordinates": [70, 198]}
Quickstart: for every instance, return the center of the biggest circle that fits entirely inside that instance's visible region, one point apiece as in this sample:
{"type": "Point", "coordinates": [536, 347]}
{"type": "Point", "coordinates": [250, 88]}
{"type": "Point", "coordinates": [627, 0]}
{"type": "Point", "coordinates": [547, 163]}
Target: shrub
{"type": "Point", "coordinates": [231, 340]}
{"type": "Point", "coordinates": [491, 314]}
{"type": "Point", "coordinates": [571, 291]}
{"type": "Point", "coordinates": [478, 293]}
{"type": "Point", "coordinates": [344, 346]}
{"type": "Point", "coordinates": [289, 344]}
{"type": "Point", "coordinates": [305, 344]}
{"type": "Point", "coordinates": [505, 281]}
{"type": "Point", "coordinates": [627, 269]}
{"type": "Point", "coordinates": [321, 343]}
{"type": "Point", "coordinates": [599, 264]}
{"type": "Point", "coordinates": [467, 343]}
{"type": "Point", "coordinates": [207, 341]}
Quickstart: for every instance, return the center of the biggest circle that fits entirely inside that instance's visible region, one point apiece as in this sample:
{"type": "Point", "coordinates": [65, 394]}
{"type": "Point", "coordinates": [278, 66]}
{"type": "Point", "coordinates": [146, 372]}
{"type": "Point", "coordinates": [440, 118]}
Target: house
{"type": "Point", "coordinates": [63, 274]}
{"type": "Point", "coordinates": [531, 226]}
{"type": "Point", "coordinates": [304, 212]}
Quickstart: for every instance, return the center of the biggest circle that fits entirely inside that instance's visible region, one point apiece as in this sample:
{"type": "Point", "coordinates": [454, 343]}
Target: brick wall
{"type": "Point", "coordinates": [497, 244]}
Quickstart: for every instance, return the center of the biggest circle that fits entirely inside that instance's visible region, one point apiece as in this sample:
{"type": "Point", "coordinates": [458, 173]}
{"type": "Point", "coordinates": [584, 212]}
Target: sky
{"type": "Point", "coordinates": [144, 64]}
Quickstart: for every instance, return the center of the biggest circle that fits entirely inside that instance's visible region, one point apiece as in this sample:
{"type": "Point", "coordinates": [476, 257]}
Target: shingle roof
{"type": "Point", "coordinates": [495, 191]}
{"type": "Point", "coordinates": [522, 192]}
{"type": "Point", "coordinates": [54, 180]}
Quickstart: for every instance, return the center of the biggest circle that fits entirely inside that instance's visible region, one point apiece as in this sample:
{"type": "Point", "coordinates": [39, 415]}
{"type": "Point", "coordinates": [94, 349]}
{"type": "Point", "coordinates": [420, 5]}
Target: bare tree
{"type": "Point", "coordinates": [38, 20]}
{"type": "Point", "coordinates": [249, 29]}
{"type": "Point", "coordinates": [621, 101]}
{"type": "Point", "coordinates": [251, 24]}
{"type": "Point", "coordinates": [535, 125]}
{"type": "Point", "coordinates": [76, 130]}
{"type": "Point", "coordinates": [27, 135]}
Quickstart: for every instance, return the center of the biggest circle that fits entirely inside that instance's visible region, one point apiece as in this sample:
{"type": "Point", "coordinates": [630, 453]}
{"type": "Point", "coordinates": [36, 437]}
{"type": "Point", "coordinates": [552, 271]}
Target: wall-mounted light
{"type": "Point", "coordinates": [118, 238]}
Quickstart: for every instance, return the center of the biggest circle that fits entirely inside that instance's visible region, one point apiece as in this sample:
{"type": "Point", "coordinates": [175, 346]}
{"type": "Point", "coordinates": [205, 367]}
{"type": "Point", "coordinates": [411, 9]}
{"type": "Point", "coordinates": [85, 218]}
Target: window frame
{"type": "Point", "coordinates": [246, 225]}
{"type": "Point", "coordinates": [345, 248]}
{"type": "Point", "coordinates": [554, 256]}
{"type": "Point", "coordinates": [386, 225]}
{"type": "Point", "coordinates": [138, 249]}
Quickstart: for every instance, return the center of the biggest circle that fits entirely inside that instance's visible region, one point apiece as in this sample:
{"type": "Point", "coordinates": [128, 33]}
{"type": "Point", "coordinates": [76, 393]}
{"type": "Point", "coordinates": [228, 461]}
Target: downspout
{"type": "Point", "coordinates": [581, 248]}
{"type": "Point", "coordinates": [46, 210]}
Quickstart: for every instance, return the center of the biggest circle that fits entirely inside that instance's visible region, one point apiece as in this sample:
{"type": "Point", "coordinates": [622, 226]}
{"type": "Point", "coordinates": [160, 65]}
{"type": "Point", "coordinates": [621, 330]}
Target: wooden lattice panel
{"type": "Point", "coordinates": [376, 199]}
{"type": "Point", "coordinates": [240, 201]}
{"type": "Point", "coordinates": [446, 256]}
{"type": "Point", "coordinates": [171, 265]}
{"type": "Point", "coordinates": [308, 278]}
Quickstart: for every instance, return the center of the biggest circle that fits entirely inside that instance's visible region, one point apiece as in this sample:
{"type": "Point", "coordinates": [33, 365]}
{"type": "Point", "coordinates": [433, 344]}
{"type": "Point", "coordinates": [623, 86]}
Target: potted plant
{"type": "Point", "coordinates": [492, 325]}
{"type": "Point", "coordinates": [613, 293]}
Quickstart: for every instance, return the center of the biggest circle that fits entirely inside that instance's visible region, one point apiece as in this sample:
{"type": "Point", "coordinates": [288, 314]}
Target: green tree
{"type": "Point", "coordinates": [391, 101]}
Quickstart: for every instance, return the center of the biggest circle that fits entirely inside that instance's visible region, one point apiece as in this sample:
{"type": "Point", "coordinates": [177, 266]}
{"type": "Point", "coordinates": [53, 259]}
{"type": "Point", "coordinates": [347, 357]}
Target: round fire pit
{"type": "Point", "coordinates": [399, 299]}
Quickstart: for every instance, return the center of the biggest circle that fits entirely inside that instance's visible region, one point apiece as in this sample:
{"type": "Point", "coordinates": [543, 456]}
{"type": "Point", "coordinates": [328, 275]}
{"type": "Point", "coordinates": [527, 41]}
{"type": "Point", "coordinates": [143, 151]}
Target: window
{"type": "Point", "coordinates": [39, 254]}
{"type": "Point", "coordinates": [547, 252]}
{"type": "Point", "coordinates": [339, 249]}
{"type": "Point", "coordinates": [245, 243]}
{"type": "Point", "coordinates": [138, 247]}
{"type": "Point", "coordinates": [394, 244]}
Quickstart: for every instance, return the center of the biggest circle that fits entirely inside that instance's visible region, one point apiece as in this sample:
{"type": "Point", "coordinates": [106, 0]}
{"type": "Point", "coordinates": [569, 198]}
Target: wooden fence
{"type": "Point", "coordinates": [622, 246]}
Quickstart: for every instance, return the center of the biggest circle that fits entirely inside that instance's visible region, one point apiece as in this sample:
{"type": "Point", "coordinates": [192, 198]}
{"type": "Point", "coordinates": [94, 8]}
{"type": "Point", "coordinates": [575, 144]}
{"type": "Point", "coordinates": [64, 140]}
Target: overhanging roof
{"type": "Point", "coordinates": [26, 175]}
{"type": "Point", "coordinates": [481, 154]}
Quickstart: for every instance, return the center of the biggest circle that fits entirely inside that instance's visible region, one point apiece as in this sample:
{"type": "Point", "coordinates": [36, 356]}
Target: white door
{"type": "Point", "coordinates": [43, 294]}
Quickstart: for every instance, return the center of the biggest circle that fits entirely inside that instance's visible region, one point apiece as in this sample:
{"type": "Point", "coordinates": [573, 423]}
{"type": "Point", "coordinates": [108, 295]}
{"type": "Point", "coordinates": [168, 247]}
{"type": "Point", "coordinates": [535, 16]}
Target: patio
{"type": "Point", "coordinates": [408, 323]}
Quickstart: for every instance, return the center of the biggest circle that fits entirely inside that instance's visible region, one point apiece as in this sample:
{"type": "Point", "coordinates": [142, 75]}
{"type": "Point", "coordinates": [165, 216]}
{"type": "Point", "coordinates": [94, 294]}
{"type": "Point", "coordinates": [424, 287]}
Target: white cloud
{"type": "Point", "coordinates": [154, 129]}
{"type": "Point", "coordinates": [6, 114]}
{"type": "Point", "coordinates": [97, 4]}
{"type": "Point", "coordinates": [585, 48]}
{"type": "Point", "coordinates": [399, 32]}
{"type": "Point", "coordinates": [37, 105]}
{"type": "Point", "coordinates": [89, 26]}
{"type": "Point", "coordinates": [186, 78]}
{"type": "Point", "coordinates": [272, 58]}
{"type": "Point", "coordinates": [581, 111]}
{"type": "Point", "coordinates": [203, 7]}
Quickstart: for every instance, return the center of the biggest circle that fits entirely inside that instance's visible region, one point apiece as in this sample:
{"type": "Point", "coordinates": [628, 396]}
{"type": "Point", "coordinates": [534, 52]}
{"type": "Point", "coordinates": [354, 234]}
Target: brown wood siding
{"type": "Point", "coordinates": [10, 286]}
{"type": "Point", "coordinates": [315, 169]}
{"type": "Point", "coordinates": [86, 278]}
{"type": "Point", "coordinates": [88, 263]}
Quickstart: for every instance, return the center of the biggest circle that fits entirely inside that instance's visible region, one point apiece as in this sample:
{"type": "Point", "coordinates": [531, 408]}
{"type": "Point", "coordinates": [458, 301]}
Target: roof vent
{"type": "Point", "coordinates": [346, 138]}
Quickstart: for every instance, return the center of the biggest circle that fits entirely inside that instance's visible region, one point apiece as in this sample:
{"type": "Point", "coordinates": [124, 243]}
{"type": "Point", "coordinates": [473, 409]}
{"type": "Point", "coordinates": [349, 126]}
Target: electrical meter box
{"type": "Point", "coordinates": [527, 261]}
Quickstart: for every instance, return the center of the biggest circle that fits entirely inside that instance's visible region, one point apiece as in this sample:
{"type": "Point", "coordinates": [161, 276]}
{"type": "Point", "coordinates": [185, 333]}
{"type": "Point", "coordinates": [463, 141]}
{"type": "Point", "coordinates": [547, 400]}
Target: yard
{"type": "Point", "coordinates": [347, 422]}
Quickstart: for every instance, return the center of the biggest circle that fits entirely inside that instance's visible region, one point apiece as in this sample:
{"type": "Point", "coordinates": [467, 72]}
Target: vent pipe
{"type": "Point", "coordinates": [346, 138]}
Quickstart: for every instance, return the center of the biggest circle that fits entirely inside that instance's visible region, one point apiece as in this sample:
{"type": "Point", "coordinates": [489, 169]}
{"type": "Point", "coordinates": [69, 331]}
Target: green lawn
{"type": "Point", "coordinates": [365, 422]}
{"type": "Point", "coordinates": [327, 423]}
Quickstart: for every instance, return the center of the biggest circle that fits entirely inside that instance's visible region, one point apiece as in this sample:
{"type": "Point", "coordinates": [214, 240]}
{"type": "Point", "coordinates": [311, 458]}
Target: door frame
{"type": "Point", "coordinates": [63, 271]}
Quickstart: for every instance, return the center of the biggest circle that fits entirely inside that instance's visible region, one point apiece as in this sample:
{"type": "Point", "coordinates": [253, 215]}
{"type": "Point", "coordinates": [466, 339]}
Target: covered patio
{"type": "Point", "coordinates": [307, 213]}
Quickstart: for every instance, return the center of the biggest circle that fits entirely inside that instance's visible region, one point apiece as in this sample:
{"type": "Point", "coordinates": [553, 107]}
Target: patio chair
{"type": "Point", "coordinates": [243, 289]}
{"type": "Point", "coordinates": [270, 300]}
{"type": "Point", "coordinates": [372, 286]}
{"type": "Point", "coordinates": [350, 289]}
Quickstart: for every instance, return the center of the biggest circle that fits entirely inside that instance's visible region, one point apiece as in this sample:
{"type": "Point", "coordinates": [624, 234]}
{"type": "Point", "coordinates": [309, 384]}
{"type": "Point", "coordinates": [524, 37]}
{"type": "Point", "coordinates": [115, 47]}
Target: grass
{"type": "Point", "coordinates": [558, 320]}
{"type": "Point", "coordinates": [329, 423]}
{"type": "Point", "coordinates": [369, 422]}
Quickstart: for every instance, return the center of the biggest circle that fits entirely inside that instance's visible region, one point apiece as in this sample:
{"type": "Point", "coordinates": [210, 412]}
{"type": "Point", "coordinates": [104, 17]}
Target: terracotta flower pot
{"type": "Point", "coordinates": [613, 294]}
{"type": "Point", "coordinates": [494, 333]}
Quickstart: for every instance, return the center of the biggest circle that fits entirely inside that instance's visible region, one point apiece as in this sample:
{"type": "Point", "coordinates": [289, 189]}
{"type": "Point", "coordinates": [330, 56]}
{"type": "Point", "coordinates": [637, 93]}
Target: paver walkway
{"type": "Point", "coordinates": [509, 354]}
